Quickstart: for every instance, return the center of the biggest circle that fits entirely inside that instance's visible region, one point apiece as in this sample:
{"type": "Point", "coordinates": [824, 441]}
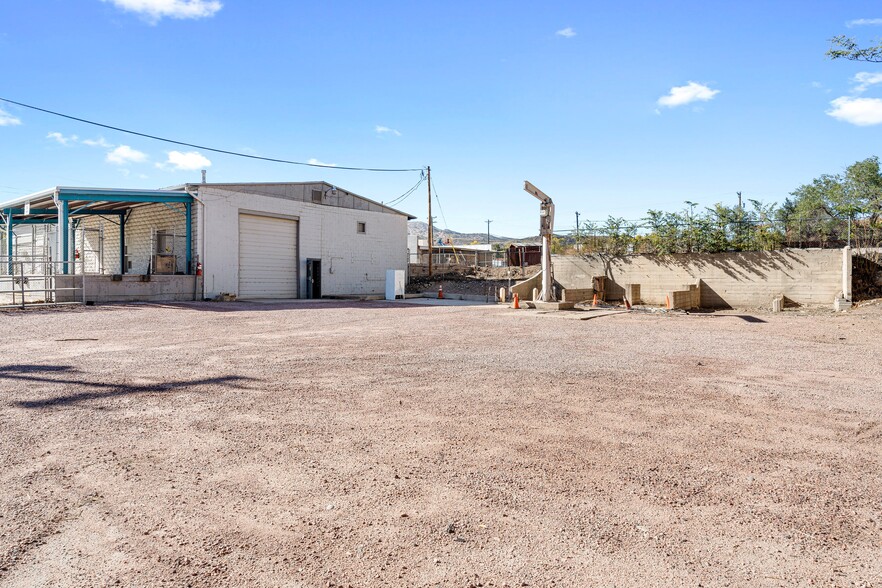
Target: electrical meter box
{"type": "Point", "coordinates": [164, 264]}
{"type": "Point", "coordinates": [394, 284]}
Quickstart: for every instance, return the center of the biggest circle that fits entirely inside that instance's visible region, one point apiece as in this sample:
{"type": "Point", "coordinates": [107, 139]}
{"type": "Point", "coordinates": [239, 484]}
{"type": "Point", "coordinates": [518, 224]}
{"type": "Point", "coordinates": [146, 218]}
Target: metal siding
{"type": "Point", "coordinates": [267, 257]}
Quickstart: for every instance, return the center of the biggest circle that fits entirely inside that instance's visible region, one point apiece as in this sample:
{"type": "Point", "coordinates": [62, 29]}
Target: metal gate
{"type": "Point", "coordinates": [27, 280]}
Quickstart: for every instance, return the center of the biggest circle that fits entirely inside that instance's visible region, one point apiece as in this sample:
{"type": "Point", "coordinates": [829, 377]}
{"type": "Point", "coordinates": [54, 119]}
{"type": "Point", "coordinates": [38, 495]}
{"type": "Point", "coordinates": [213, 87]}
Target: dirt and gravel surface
{"type": "Point", "coordinates": [379, 444]}
{"type": "Point", "coordinates": [480, 281]}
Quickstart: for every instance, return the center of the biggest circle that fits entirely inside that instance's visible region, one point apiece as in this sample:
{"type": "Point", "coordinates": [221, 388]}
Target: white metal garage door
{"type": "Point", "coordinates": [267, 257]}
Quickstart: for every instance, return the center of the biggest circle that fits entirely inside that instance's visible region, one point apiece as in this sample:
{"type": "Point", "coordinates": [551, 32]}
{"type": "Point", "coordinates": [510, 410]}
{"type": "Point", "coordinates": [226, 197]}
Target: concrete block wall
{"type": "Point", "coordinates": [576, 294]}
{"type": "Point", "coordinates": [687, 298]}
{"type": "Point", "coordinates": [352, 262]}
{"type": "Point", "coordinates": [748, 279]}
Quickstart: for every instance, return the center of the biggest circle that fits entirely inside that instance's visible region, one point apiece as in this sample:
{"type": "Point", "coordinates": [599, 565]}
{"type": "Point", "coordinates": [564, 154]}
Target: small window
{"type": "Point", "coordinates": [317, 196]}
{"type": "Point", "coordinates": [361, 227]}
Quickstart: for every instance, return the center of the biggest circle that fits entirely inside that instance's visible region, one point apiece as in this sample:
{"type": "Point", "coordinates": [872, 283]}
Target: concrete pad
{"type": "Point", "coordinates": [538, 305]}
{"type": "Point", "coordinates": [445, 302]}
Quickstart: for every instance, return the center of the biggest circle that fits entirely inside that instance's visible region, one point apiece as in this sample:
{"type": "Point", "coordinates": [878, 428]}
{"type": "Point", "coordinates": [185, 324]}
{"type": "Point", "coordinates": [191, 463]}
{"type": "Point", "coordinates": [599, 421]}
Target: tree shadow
{"type": "Point", "coordinates": [65, 374]}
{"type": "Point", "coordinates": [747, 266]}
{"type": "Point", "coordinates": [270, 305]}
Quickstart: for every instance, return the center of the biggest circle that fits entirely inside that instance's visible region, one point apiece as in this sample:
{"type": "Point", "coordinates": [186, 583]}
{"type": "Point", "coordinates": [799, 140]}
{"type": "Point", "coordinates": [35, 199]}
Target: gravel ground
{"type": "Point", "coordinates": [376, 444]}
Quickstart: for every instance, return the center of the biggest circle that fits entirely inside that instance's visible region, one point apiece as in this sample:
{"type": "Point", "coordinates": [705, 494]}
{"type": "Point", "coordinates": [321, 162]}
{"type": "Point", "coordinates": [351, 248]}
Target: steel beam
{"type": "Point", "coordinates": [9, 239]}
{"type": "Point", "coordinates": [122, 244]}
{"type": "Point", "coordinates": [64, 232]}
{"type": "Point", "coordinates": [34, 211]}
{"type": "Point", "coordinates": [189, 229]}
{"type": "Point", "coordinates": [86, 196]}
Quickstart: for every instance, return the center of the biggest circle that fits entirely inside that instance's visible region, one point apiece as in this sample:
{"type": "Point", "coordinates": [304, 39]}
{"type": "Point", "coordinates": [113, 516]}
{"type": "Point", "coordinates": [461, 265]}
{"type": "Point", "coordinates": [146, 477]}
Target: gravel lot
{"type": "Point", "coordinates": [376, 444]}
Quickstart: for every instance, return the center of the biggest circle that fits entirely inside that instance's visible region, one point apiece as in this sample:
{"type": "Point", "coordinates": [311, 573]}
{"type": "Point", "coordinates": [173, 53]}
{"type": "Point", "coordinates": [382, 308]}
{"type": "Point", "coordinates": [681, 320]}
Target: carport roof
{"type": "Point", "coordinates": [96, 200]}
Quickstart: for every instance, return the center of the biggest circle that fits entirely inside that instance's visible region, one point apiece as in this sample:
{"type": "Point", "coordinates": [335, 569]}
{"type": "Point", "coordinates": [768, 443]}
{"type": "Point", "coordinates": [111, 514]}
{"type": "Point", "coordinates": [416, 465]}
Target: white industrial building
{"type": "Point", "coordinates": [248, 240]}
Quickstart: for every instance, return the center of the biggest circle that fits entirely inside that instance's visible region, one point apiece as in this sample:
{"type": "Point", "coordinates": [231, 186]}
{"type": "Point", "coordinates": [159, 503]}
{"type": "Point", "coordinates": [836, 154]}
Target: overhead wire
{"type": "Point", "coordinates": [403, 197]}
{"type": "Point", "coordinates": [456, 254]}
{"type": "Point", "coordinates": [203, 147]}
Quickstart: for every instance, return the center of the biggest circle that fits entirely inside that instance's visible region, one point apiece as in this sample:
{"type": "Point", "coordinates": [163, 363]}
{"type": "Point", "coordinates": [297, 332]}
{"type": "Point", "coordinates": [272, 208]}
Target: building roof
{"type": "Point", "coordinates": [113, 200]}
{"type": "Point", "coordinates": [88, 200]}
{"type": "Point", "coordinates": [331, 195]}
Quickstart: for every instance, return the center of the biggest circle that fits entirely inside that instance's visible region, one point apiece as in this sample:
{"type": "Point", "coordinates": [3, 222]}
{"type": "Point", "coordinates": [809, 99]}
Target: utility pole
{"type": "Point", "coordinates": [578, 246]}
{"type": "Point", "coordinates": [488, 231]}
{"type": "Point", "coordinates": [431, 236]}
{"type": "Point", "coordinates": [739, 200]}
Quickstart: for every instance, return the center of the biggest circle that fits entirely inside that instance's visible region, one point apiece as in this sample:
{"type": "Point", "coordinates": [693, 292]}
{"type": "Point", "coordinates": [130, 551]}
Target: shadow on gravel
{"type": "Point", "coordinates": [749, 319]}
{"type": "Point", "coordinates": [43, 373]}
{"type": "Point", "coordinates": [276, 305]}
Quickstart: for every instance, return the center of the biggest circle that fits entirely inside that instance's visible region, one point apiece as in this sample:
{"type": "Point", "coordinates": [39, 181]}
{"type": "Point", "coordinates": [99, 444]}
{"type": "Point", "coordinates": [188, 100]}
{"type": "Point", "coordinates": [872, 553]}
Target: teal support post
{"type": "Point", "coordinates": [189, 208]}
{"type": "Point", "coordinates": [73, 244]}
{"type": "Point", "coordinates": [9, 250]}
{"type": "Point", "coordinates": [64, 230]}
{"type": "Point", "coordinates": [122, 243]}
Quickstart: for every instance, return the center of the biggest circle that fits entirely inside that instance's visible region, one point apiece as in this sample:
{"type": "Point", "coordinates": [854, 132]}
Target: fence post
{"type": "Point", "coordinates": [21, 279]}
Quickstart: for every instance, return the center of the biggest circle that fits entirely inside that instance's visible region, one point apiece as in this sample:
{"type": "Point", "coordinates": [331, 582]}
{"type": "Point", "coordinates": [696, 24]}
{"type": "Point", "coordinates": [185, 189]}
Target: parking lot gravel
{"type": "Point", "coordinates": [355, 443]}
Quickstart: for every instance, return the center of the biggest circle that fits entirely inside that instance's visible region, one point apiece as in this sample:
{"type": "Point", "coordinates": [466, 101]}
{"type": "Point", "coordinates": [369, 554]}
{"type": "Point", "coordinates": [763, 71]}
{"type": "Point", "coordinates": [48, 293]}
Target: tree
{"type": "Point", "coordinates": [823, 209]}
{"type": "Point", "coordinates": [619, 236]}
{"type": "Point", "coordinates": [847, 48]}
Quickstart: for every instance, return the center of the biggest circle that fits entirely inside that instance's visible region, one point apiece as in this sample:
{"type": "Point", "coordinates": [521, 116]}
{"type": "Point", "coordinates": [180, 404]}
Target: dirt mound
{"type": "Point", "coordinates": [480, 281]}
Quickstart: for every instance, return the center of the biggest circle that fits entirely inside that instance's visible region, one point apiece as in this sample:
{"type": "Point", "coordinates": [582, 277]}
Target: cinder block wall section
{"type": "Point", "coordinates": [805, 276]}
{"type": "Point", "coordinates": [143, 222]}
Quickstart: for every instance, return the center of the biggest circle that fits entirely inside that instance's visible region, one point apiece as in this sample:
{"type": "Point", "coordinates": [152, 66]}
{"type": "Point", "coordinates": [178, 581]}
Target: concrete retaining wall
{"type": "Point", "coordinates": [130, 288]}
{"type": "Point", "coordinates": [749, 279]}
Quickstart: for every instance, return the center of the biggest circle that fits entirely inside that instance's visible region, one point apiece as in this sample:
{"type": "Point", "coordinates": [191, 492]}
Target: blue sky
{"type": "Point", "coordinates": [610, 109]}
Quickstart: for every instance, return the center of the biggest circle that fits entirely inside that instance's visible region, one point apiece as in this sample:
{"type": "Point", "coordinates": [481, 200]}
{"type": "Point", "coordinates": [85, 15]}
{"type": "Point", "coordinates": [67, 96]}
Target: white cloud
{"type": "Point", "coordinates": [864, 80]}
{"type": "Point", "coordinates": [315, 161]}
{"type": "Point", "coordinates": [381, 130]}
{"type": "Point", "coordinates": [863, 22]}
{"type": "Point", "coordinates": [7, 120]}
{"type": "Point", "coordinates": [189, 161]}
{"type": "Point", "coordinates": [691, 92]}
{"type": "Point", "coordinates": [862, 112]}
{"type": "Point", "coordinates": [99, 142]}
{"type": "Point", "coordinates": [566, 33]}
{"type": "Point", "coordinates": [155, 10]}
{"type": "Point", "coordinates": [62, 139]}
{"type": "Point", "coordinates": [125, 154]}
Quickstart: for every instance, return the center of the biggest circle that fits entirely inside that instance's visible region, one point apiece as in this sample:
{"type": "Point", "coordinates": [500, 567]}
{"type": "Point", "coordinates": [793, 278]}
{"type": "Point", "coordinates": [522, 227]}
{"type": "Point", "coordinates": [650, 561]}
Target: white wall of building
{"type": "Point", "coordinates": [352, 262]}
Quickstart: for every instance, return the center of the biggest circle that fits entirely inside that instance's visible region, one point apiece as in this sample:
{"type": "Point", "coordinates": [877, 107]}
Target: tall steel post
{"type": "Point", "coordinates": [9, 249]}
{"type": "Point", "coordinates": [64, 234]}
{"type": "Point", "coordinates": [189, 212]}
{"type": "Point", "coordinates": [122, 243]}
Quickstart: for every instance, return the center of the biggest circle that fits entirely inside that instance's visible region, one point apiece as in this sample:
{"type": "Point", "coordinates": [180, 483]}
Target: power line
{"type": "Point", "coordinates": [204, 148]}
{"type": "Point", "coordinates": [403, 197]}
{"type": "Point", "coordinates": [441, 210]}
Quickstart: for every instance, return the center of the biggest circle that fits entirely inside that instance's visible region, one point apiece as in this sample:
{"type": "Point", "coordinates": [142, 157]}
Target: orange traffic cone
{"type": "Point", "coordinates": [667, 302]}
{"type": "Point", "coordinates": [627, 304]}
{"type": "Point", "coordinates": [594, 302]}
{"type": "Point", "coordinates": [440, 291]}
{"type": "Point", "coordinates": [517, 301]}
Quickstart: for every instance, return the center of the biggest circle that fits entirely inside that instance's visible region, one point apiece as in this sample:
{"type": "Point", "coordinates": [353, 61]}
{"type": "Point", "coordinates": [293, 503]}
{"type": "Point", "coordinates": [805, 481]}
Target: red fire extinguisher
{"type": "Point", "coordinates": [76, 253]}
{"type": "Point", "coordinates": [199, 268]}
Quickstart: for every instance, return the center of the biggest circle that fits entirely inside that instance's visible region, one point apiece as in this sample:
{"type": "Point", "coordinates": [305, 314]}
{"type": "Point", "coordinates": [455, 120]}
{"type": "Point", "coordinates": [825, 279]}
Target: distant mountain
{"type": "Point", "coordinates": [421, 229]}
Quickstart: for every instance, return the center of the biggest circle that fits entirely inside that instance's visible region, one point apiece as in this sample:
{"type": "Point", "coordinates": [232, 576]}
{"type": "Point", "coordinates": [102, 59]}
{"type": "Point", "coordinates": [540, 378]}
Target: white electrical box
{"type": "Point", "coordinates": [394, 284]}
